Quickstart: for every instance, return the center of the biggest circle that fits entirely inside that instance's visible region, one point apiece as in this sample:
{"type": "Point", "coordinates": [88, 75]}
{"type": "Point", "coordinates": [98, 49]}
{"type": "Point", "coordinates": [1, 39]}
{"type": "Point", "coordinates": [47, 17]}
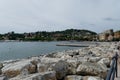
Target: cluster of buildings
{"type": "Point", "coordinates": [80, 35]}
{"type": "Point", "coordinates": [109, 35]}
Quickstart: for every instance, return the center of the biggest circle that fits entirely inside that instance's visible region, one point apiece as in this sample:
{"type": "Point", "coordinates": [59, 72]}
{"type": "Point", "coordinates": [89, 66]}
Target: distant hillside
{"type": "Point", "coordinates": [69, 34]}
{"type": "Point", "coordinates": [77, 32]}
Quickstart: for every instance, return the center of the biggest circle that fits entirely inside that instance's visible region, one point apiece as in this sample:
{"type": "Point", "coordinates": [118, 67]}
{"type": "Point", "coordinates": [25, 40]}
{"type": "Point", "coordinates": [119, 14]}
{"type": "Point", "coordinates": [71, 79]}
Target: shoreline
{"type": "Point", "coordinates": [21, 50]}
{"type": "Point", "coordinates": [70, 64]}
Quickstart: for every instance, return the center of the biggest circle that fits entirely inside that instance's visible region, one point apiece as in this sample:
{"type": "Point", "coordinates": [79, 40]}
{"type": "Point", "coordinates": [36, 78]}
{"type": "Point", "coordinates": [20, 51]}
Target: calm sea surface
{"type": "Point", "coordinates": [17, 50]}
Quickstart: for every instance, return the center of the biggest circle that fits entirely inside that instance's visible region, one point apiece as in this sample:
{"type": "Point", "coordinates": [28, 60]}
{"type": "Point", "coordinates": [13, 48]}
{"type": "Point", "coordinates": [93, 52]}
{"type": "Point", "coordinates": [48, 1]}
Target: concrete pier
{"type": "Point", "coordinates": [73, 45]}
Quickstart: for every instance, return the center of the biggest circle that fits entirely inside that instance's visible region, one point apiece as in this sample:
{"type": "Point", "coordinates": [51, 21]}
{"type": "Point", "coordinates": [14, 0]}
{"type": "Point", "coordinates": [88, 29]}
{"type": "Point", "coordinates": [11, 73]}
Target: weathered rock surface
{"type": "Point", "coordinates": [44, 67]}
{"type": "Point", "coordinates": [61, 69]}
{"type": "Point", "coordinates": [92, 69]}
{"type": "Point", "coordinates": [72, 66]}
{"type": "Point", "coordinates": [38, 76]}
{"type": "Point", "coordinates": [49, 60]}
{"type": "Point", "coordinates": [74, 77]}
{"type": "Point", "coordinates": [92, 59]}
{"type": "Point", "coordinates": [92, 78]}
{"type": "Point", "coordinates": [14, 69]}
{"type": "Point", "coordinates": [89, 63]}
{"type": "Point", "coordinates": [105, 61]}
{"type": "Point", "coordinates": [3, 77]}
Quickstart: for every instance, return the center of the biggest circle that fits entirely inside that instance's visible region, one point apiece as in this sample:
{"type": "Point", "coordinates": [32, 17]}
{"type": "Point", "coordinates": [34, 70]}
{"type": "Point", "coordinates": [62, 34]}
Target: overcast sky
{"type": "Point", "coordinates": [51, 15]}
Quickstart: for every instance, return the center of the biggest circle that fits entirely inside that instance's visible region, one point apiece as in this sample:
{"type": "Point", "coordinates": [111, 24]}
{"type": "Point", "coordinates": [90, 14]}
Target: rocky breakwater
{"type": "Point", "coordinates": [90, 63]}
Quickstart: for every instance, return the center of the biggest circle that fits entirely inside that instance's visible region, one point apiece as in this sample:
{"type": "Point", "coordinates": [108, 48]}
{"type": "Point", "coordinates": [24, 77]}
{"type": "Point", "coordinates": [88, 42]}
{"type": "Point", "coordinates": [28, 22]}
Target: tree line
{"type": "Point", "coordinates": [69, 34]}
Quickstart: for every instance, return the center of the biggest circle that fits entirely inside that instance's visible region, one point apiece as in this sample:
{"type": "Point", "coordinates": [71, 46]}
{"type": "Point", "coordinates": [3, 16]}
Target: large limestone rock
{"type": "Point", "coordinates": [55, 55]}
{"type": "Point", "coordinates": [83, 52]}
{"type": "Point", "coordinates": [48, 60]}
{"type": "Point", "coordinates": [97, 51]}
{"type": "Point", "coordinates": [41, 67]}
{"type": "Point", "coordinates": [44, 67]}
{"type": "Point", "coordinates": [92, 69]}
{"type": "Point", "coordinates": [49, 76]}
{"type": "Point", "coordinates": [92, 78]}
{"type": "Point", "coordinates": [79, 59]}
{"type": "Point", "coordinates": [72, 52]}
{"type": "Point", "coordinates": [14, 69]}
{"type": "Point", "coordinates": [93, 59]}
{"type": "Point", "coordinates": [61, 69]}
{"type": "Point", "coordinates": [72, 65]}
{"type": "Point", "coordinates": [38, 76]}
{"type": "Point", "coordinates": [74, 77]}
{"type": "Point", "coordinates": [42, 76]}
{"type": "Point", "coordinates": [71, 69]}
{"type": "Point", "coordinates": [105, 61]}
{"type": "Point", "coordinates": [66, 57]}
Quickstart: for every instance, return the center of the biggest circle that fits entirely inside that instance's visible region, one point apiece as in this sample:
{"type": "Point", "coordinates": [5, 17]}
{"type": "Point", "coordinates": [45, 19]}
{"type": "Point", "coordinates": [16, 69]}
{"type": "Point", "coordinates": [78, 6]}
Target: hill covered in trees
{"type": "Point", "coordinates": [69, 34]}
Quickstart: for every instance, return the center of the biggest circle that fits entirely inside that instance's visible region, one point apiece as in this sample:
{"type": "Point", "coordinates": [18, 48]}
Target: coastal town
{"type": "Point", "coordinates": [59, 39]}
{"type": "Point", "coordinates": [109, 35]}
{"type": "Point", "coordinates": [91, 62]}
{"type": "Point", "coordinates": [66, 35]}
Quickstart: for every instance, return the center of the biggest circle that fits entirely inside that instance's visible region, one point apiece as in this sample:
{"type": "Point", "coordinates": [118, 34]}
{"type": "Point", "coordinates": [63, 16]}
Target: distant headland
{"type": "Point", "coordinates": [66, 35]}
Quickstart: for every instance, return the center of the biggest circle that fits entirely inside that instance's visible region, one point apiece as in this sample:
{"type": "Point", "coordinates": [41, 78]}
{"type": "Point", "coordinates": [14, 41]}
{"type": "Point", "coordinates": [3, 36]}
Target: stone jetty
{"type": "Point", "coordinates": [88, 63]}
{"type": "Point", "coordinates": [73, 45]}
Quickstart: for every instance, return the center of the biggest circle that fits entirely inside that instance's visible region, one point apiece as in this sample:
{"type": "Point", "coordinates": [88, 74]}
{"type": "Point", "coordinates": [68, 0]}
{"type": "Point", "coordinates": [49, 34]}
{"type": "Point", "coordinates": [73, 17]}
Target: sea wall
{"type": "Point", "coordinates": [89, 63]}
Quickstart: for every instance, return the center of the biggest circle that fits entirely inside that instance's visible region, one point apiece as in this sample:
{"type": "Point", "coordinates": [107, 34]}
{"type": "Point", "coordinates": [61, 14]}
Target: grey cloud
{"type": "Point", "coordinates": [111, 19]}
{"type": "Point", "coordinates": [35, 15]}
